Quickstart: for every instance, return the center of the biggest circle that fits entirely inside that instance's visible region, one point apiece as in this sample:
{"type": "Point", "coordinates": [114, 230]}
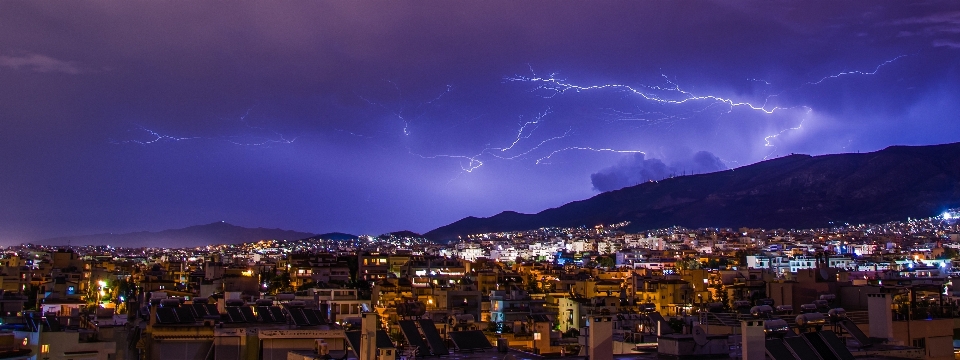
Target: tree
{"type": "Point", "coordinates": [33, 292]}
{"type": "Point", "coordinates": [948, 253]}
{"type": "Point", "coordinates": [689, 264]}
{"type": "Point", "coordinates": [532, 286]}
{"type": "Point", "coordinates": [310, 284]}
{"type": "Point", "coordinates": [279, 283]}
{"type": "Point", "coordinates": [607, 261]}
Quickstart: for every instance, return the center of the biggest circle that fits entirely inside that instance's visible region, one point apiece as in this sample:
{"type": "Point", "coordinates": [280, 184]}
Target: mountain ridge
{"type": "Point", "coordinates": [192, 236]}
{"type": "Point", "coordinates": [794, 191]}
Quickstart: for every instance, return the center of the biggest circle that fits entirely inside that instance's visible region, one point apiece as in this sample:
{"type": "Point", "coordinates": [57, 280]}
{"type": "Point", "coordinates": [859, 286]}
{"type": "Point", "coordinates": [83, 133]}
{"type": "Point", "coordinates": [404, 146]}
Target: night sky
{"type": "Point", "coordinates": [368, 117]}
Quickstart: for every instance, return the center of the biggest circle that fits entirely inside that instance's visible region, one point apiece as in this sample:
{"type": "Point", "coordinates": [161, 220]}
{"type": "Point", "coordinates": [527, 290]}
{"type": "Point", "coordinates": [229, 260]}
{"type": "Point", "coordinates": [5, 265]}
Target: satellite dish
{"type": "Point", "coordinates": [699, 335]}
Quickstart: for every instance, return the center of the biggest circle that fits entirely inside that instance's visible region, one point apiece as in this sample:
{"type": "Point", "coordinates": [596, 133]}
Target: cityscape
{"type": "Point", "coordinates": [480, 180]}
{"type": "Point", "coordinates": [536, 293]}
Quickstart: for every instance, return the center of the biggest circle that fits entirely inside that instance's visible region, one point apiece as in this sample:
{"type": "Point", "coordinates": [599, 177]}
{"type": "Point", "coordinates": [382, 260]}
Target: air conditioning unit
{"type": "Point", "coordinates": [322, 348]}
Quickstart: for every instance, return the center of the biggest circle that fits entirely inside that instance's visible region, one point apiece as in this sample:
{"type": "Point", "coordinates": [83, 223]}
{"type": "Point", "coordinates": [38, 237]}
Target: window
{"type": "Point", "coordinates": [920, 343]}
{"type": "Point", "coordinates": [44, 349]}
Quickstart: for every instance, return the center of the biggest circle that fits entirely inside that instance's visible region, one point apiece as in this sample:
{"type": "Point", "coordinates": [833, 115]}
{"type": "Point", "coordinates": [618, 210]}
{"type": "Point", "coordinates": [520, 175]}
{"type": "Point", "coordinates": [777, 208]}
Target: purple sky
{"type": "Point", "coordinates": [368, 117]}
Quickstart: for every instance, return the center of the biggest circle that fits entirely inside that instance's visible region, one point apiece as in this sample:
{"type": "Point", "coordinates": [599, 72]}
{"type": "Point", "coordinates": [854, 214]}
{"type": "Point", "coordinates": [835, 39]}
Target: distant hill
{"type": "Point", "coordinates": [405, 234]}
{"type": "Point", "coordinates": [337, 236]}
{"type": "Point", "coordinates": [193, 236]}
{"type": "Point", "coordinates": [796, 191]}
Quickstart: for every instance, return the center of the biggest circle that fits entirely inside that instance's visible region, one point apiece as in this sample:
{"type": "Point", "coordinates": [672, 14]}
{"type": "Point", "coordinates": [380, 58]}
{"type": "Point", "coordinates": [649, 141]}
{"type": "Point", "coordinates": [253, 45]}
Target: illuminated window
{"type": "Point", "coordinates": [44, 349]}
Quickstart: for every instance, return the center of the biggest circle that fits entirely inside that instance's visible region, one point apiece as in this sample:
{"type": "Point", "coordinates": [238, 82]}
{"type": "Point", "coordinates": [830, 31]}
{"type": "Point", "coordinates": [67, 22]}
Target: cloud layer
{"type": "Point", "coordinates": [38, 63]}
{"type": "Point", "coordinates": [636, 168]}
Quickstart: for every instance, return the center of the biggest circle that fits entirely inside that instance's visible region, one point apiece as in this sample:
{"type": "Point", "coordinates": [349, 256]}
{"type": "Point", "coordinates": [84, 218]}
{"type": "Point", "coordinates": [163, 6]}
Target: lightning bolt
{"type": "Point", "coordinates": [157, 137]}
{"type": "Point", "coordinates": [555, 87]}
{"type": "Point", "coordinates": [245, 140]}
{"type": "Point", "coordinates": [678, 103]}
{"type": "Point", "coordinates": [587, 148]}
{"type": "Point", "coordinates": [768, 139]}
{"type": "Point", "coordinates": [398, 112]}
{"type": "Point", "coordinates": [474, 162]}
{"type": "Point", "coordinates": [523, 128]}
{"type": "Point", "coordinates": [856, 72]}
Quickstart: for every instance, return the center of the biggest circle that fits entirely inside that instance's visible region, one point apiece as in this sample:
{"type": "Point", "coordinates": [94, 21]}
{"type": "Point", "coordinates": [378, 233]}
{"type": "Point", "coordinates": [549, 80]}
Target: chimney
{"type": "Point", "coordinates": [881, 320]}
{"type": "Point", "coordinates": [601, 338]}
{"type": "Point", "coordinates": [368, 336]}
{"type": "Point", "coordinates": [753, 344]}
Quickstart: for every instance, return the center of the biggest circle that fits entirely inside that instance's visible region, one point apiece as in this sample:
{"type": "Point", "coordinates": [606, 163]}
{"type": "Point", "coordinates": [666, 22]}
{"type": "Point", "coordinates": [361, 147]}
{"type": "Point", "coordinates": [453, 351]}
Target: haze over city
{"type": "Point", "coordinates": [374, 117]}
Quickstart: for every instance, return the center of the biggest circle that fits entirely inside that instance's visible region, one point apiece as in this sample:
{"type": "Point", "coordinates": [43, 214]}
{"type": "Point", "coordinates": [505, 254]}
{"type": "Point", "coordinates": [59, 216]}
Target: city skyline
{"type": "Point", "coordinates": [369, 118]}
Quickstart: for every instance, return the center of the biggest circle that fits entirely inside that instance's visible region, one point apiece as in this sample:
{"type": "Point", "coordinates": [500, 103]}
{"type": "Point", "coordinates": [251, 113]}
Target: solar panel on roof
{"type": "Point", "coordinates": [819, 346]}
{"type": "Point", "coordinates": [353, 337]}
{"type": "Point", "coordinates": [247, 313]}
{"type": "Point", "coordinates": [311, 317]}
{"type": "Point", "coordinates": [212, 309]}
{"type": "Point", "coordinates": [437, 345]}
{"type": "Point", "coordinates": [278, 315]}
{"type": "Point", "coordinates": [836, 344]}
{"type": "Point", "coordinates": [412, 334]}
{"type": "Point", "coordinates": [656, 318]}
{"type": "Point", "coordinates": [855, 331]}
{"type": "Point", "coordinates": [199, 310]}
{"type": "Point", "coordinates": [322, 316]}
{"type": "Point", "coordinates": [801, 348]}
{"type": "Point", "coordinates": [298, 318]}
{"type": "Point", "coordinates": [470, 340]}
{"type": "Point", "coordinates": [235, 314]}
{"type": "Point", "coordinates": [383, 340]}
{"type": "Point", "coordinates": [264, 313]}
{"type": "Point", "coordinates": [54, 323]}
{"type": "Point", "coordinates": [185, 315]}
{"type": "Point", "coordinates": [778, 351]}
{"type": "Point", "coordinates": [166, 315]}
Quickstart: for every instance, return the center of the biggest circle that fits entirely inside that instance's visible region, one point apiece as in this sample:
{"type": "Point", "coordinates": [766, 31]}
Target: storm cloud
{"type": "Point", "coordinates": [322, 116]}
{"type": "Point", "coordinates": [636, 168]}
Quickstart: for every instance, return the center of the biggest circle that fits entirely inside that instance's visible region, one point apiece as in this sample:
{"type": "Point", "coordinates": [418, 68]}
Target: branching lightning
{"type": "Point", "coordinates": [474, 161]}
{"type": "Point", "coordinates": [540, 160]}
{"type": "Point", "coordinates": [240, 140]}
{"type": "Point", "coordinates": [157, 137]}
{"type": "Point", "coordinates": [398, 112]}
{"type": "Point", "coordinates": [555, 87]}
{"type": "Point", "coordinates": [856, 72]}
{"type": "Point", "coordinates": [671, 93]}
{"type": "Point", "coordinates": [676, 104]}
{"type": "Point", "coordinates": [768, 138]}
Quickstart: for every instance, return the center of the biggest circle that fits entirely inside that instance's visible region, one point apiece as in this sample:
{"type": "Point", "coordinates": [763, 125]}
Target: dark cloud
{"type": "Point", "coordinates": [636, 168]}
{"type": "Point", "coordinates": [126, 116]}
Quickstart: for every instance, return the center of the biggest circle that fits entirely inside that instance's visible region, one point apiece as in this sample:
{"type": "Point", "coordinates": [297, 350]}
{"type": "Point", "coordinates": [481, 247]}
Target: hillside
{"type": "Point", "coordinates": [796, 191]}
{"type": "Point", "coordinates": [199, 235]}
